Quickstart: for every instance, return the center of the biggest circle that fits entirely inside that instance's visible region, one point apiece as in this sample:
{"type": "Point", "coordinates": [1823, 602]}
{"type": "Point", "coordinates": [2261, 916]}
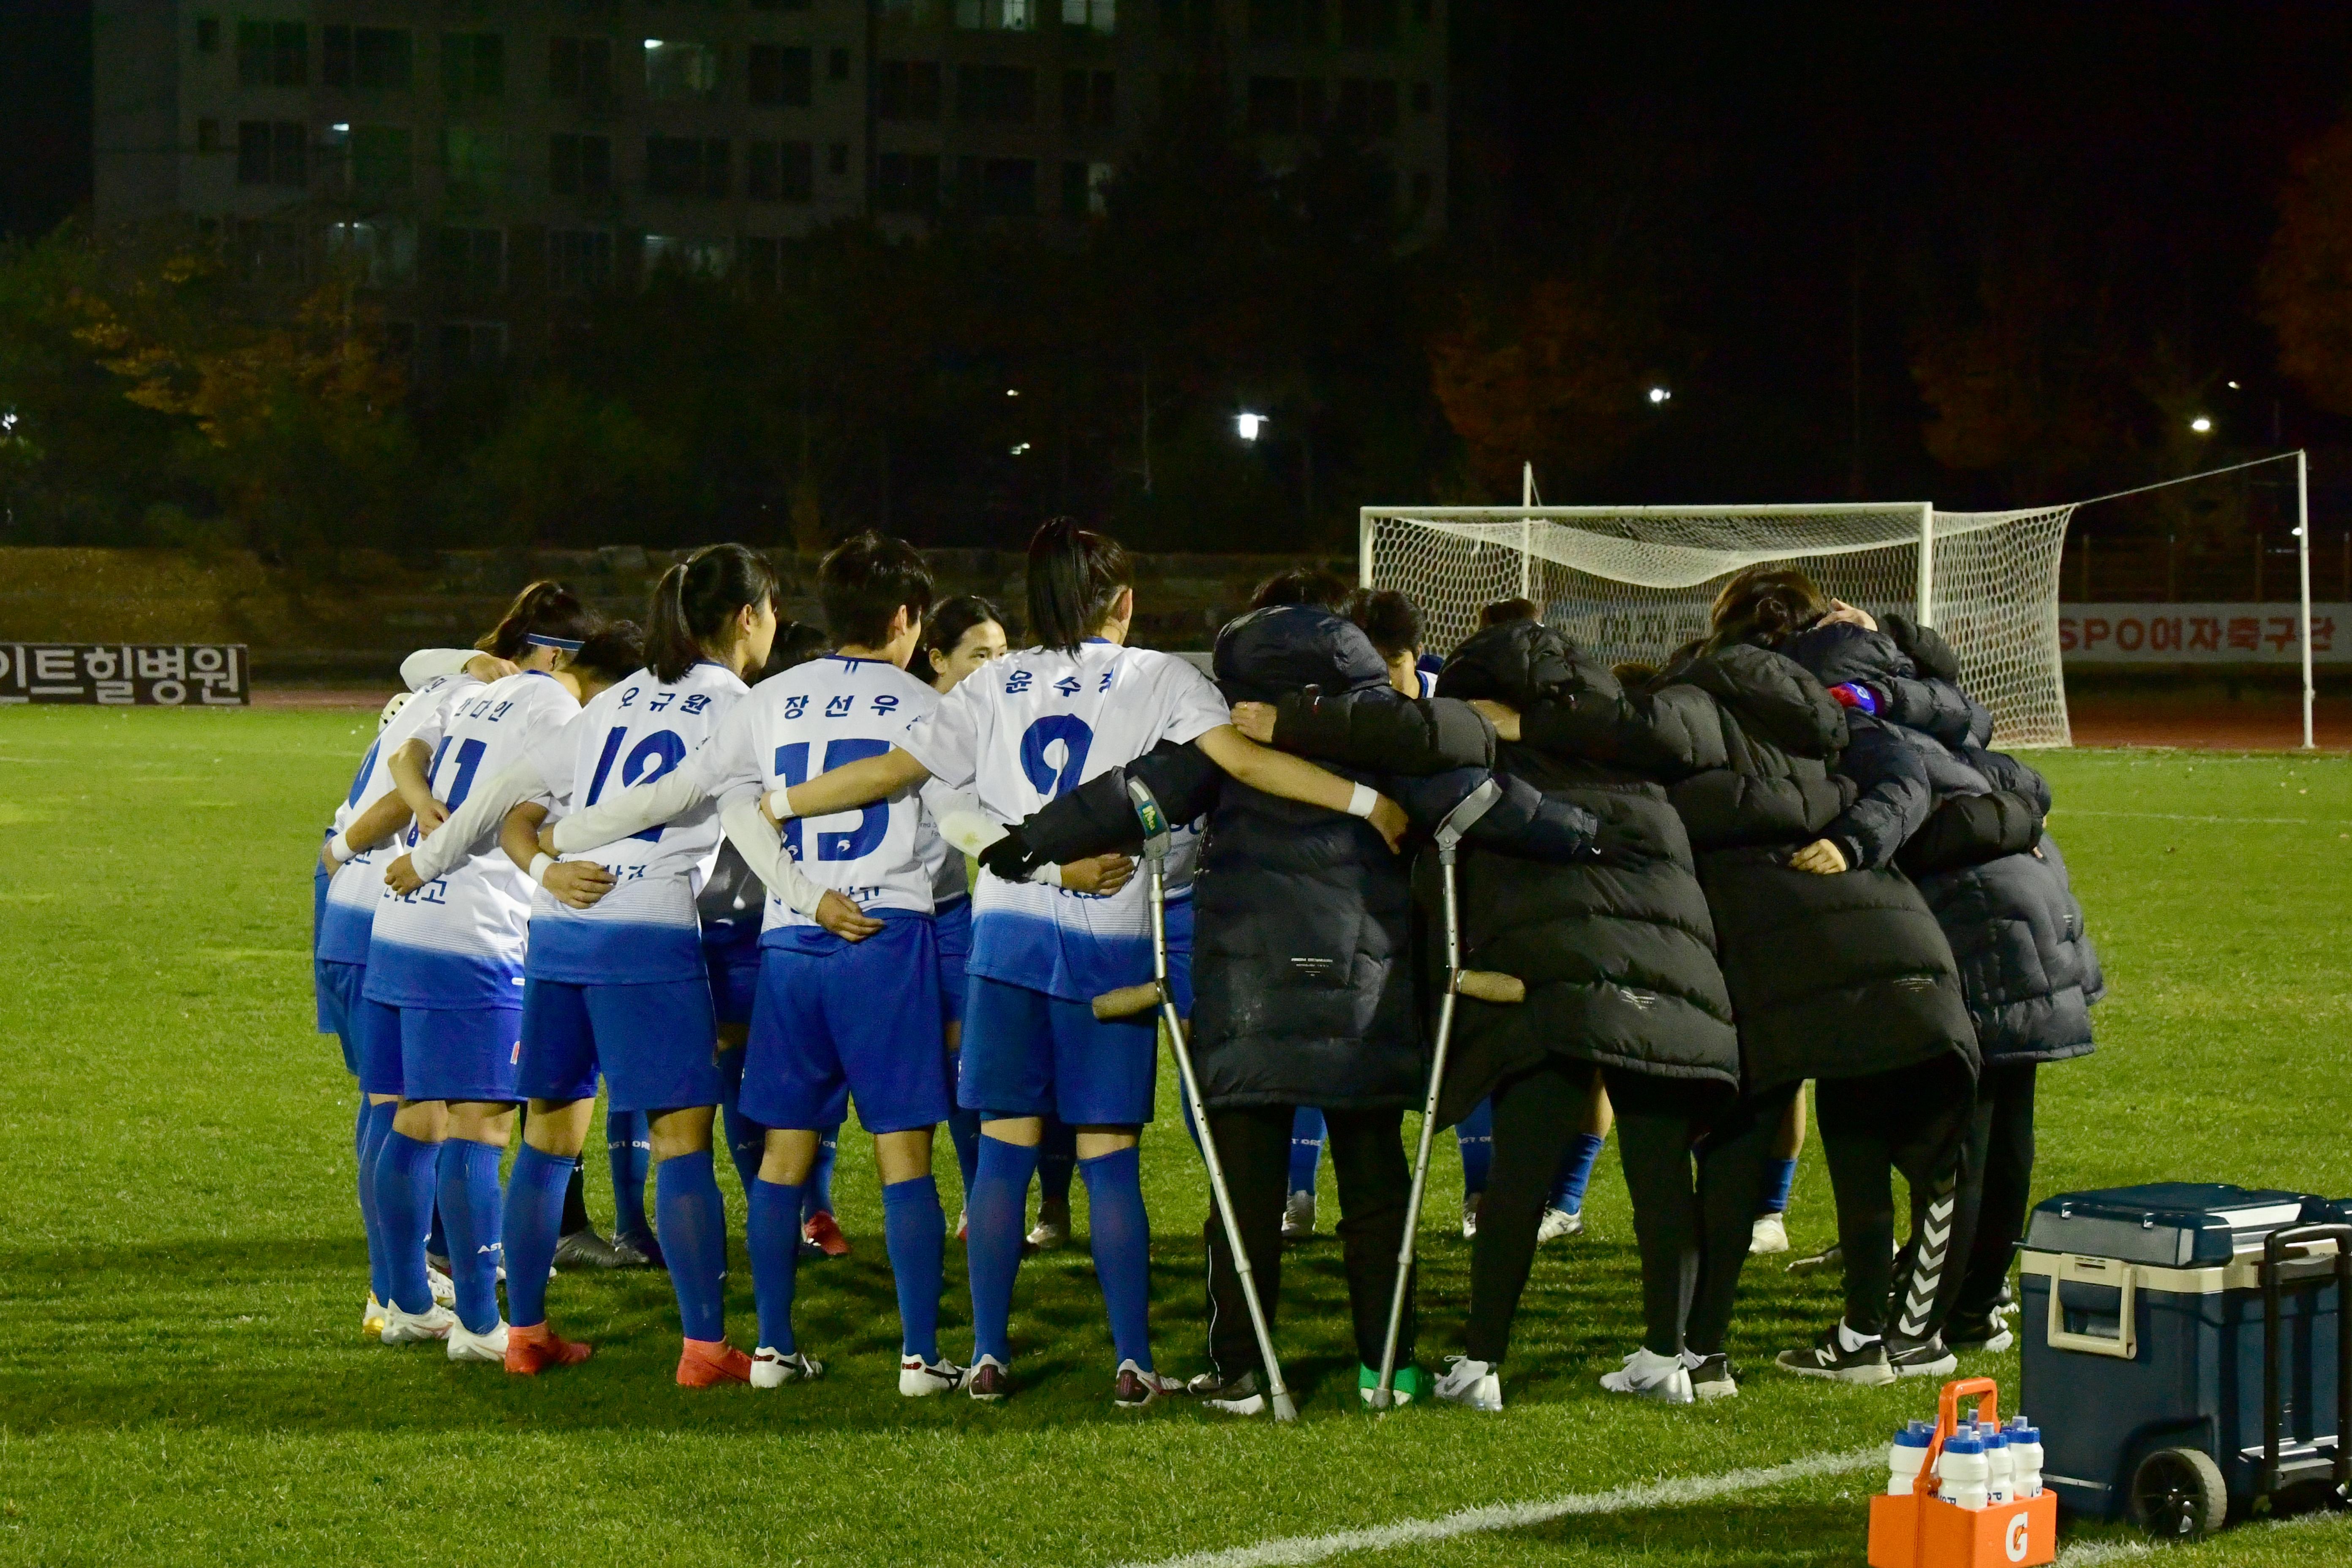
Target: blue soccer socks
{"type": "Point", "coordinates": [915, 1229]}
{"type": "Point", "coordinates": [1780, 1181]}
{"type": "Point", "coordinates": [1122, 1233]}
{"type": "Point", "coordinates": [375, 1122]}
{"type": "Point", "coordinates": [406, 1179]}
{"type": "Point", "coordinates": [773, 1232]}
{"type": "Point", "coordinates": [1476, 1136]}
{"type": "Point", "coordinates": [469, 1209]}
{"type": "Point", "coordinates": [693, 1219]}
{"type": "Point", "coordinates": [534, 1223]}
{"type": "Point", "coordinates": [963, 1131]}
{"type": "Point", "coordinates": [1575, 1172]}
{"type": "Point", "coordinates": [629, 1150]}
{"type": "Point", "coordinates": [816, 1187]}
{"type": "Point", "coordinates": [1306, 1147]}
{"type": "Point", "coordinates": [996, 1211]}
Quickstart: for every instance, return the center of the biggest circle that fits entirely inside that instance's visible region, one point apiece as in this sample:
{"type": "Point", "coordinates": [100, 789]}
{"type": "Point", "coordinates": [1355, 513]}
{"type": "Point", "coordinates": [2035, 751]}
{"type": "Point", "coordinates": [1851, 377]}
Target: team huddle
{"type": "Point", "coordinates": [588, 853]}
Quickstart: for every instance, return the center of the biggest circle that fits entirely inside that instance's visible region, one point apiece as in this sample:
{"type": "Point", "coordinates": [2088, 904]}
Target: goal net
{"type": "Point", "coordinates": [1636, 582]}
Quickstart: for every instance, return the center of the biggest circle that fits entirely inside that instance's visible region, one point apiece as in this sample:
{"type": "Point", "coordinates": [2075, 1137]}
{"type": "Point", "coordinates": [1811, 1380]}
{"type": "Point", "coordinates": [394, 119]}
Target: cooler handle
{"type": "Point", "coordinates": [2275, 1247]}
{"type": "Point", "coordinates": [2115, 1275]}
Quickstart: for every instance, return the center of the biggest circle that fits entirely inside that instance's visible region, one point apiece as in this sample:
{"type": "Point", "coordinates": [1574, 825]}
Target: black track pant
{"type": "Point", "coordinates": [1913, 1120]}
{"type": "Point", "coordinates": [1367, 1149]}
{"type": "Point", "coordinates": [1536, 1114]}
{"type": "Point", "coordinates": [1733, 1162]}
{"type": "Point", "coordinates": [1996, 1185]}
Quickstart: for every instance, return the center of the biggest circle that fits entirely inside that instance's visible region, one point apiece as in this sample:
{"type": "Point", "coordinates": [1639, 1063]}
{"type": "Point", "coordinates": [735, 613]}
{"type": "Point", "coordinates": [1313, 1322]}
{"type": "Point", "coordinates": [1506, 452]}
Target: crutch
{"type": "Point", "coordinates": [1155, 859]}
{"type": "Point", "coordinates": [1458, 821]}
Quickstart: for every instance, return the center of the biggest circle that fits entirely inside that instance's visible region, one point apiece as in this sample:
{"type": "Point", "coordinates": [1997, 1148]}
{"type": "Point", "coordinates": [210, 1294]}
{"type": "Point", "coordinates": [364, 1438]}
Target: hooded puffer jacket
{"type": "Point", "coordinates": [1617, 953]}
{"type": "Point", "coordinates": [1835, 976]}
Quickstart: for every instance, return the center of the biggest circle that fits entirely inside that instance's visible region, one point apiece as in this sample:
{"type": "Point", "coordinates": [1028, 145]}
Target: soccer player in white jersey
{"type": "Point", "coordinates": [1031, 726]}
{"type": "Point", "coordinates": [844, 1009]}
{"type": "Point", "coordinates": [449, 958]}
{"type": "Point", "coordinates": [349, 884]}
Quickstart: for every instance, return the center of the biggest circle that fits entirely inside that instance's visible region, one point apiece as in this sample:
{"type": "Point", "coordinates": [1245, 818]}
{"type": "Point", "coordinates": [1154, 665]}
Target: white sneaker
{"type": "Point", "coordinates": [1664, 1378]}
{"type": "Point", "coordinates": [773, 1369]}
{"type": "Point", "coordinates": [1770, 1234]}
{"type": "Point", "coordinates": [1050, 1231]}
{"type": "Point", "coordinates": [1470, 1216]}
{"type": "Point", "coordinates": [414, 1328]}
{"type": "Point", "coordinates": [1133, 1388]}
{"type": "Point", "coordinates": [1558, 1225]}
{"type": "Point", "coordinates": [464, 1344]}
{"type": "Point", "coordinates": [1475, 1384]}
{"type": "Point", "coordinates": [445, 1290]}
{"type": "Point", "coordinates": [919, 1379]}
{"type": "Point", "coordinates": [1298, 1216]}
{"type": "Point", "coordinates": [372, 1316]}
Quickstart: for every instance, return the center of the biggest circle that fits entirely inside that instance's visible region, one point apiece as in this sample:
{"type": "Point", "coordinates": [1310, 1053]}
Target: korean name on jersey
{"type": "Point", "coordinates": [645, 929]}
{"type": "Point", "coordinates": [1029, 727]}
{"type": "Point", "coordinates": [459, 940]}
{"type": "Point", "coordinates": [815, 717]}
{"type": "Point", "coordinates": [358, 884]}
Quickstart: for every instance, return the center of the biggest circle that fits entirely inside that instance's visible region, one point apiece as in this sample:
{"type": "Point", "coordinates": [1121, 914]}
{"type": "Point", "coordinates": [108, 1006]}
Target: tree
{"type": "Point", "coordinates": [2306, 279]}
{"type": "Point", "coordinates": [1549, 374]}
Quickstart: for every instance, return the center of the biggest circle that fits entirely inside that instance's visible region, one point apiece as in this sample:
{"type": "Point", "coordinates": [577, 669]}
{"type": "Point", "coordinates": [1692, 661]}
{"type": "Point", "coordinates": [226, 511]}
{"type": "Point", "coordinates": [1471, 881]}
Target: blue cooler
{"type": "Point", "coordinates": [2180, 1348]}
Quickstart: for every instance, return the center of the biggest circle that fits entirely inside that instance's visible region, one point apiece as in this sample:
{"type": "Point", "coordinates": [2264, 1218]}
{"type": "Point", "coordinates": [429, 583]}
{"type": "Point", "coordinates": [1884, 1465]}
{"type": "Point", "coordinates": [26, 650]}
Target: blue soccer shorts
{"type": "Point", "coordinates": [376, 1029]}
{"type": "Point", "coordinates": [839, 1020]}
{"type": "Point", "coordinates": [730, 952]}
{"type": "Point", "coordinates": [338, 987]}
{"type": "Point", "coordinates": [459, 1053]}
{"type": "Point", "coordinates": [953, 929]}
{"type": "Point", "coordinates": [653, 1043]}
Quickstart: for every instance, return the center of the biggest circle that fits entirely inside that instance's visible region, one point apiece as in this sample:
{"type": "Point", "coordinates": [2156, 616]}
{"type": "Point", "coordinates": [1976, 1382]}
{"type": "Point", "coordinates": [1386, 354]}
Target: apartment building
{"type": "Point", "coordinates": [475, 160]}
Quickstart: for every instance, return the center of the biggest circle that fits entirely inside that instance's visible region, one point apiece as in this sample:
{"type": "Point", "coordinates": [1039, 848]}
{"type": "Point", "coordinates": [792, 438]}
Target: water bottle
{"type": "Point", "coordinates": [1963, 1471]}
{"type": "Point", "coordinates": [1906, 1456]}
{"type": "Point", "coordinates": [2001, 1478]}
{"type": "Point", "coordinates": [2025, 1457]}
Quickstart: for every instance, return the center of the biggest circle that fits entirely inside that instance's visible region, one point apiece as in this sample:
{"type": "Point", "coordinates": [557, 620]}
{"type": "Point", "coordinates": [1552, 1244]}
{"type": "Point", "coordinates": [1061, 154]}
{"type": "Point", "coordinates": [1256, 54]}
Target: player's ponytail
{"type": "Point", "coordinates": [1765, 605]}
{"type": "Point", "coordinates": [1075, 576]}
{"type": "Point", "coordinates": [544, 614]}
{"type": "Point", "coordinates": [696, 603]}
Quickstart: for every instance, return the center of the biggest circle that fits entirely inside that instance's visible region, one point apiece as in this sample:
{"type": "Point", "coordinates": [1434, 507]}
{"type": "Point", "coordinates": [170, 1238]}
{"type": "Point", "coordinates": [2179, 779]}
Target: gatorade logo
{"type": "Point", "coordinates": [2015, 1544]}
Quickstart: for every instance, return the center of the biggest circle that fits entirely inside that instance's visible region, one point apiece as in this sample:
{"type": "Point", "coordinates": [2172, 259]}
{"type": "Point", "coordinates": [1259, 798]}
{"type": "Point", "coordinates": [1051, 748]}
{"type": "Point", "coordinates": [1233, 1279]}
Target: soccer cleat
{"type": "Point", "coordinates": [706, 1363]}
{"type": "Point", "coordinates": [988, 1382]}
{"type": "Point", "coordinates": [1473, 1384]}
{"type": "Point", "coordinates": [1648, 1375]}
{"type": "Point", "coordinates": [636, 1250]}
{"type": "Point", "coordinates": [919, 1379]}
{"type": "Point", "coordinates": [532, 1351]}
{"type": "Point", "coordinates": [1052, 1230]}
{"type": "Point", "coordinates": [1990, 1333]}
{"type": "Point", "coordinates": [1830, 1359]}
{"type": "Point", "coordinates": [1470, 1216]}
{"type": "Point", "coordinates": [444, 1289]}
{"type": "Point", "coordinates": [464, 1344]}
{"type": "Point", "coordinates": [1298, 1217]}
{"type": "Point", "coordinates": [821, 1237]}
{"type": "Point", "coordinates": [1409, 1383]}
{"type": "Point", "coordinates": [1558, 1225]}
{"type": "Point", "coordinates": [414, 1328]}
{"type": "Point", "coordinates": [773, 1368]}
{"type": "Point", "coordinates": [1768, 1235]}
{"type": "Point", "coordinates": [1920, 1358]}
{"type": "Point", "coordinates": [1236, 1395]}
{"type": "Point", "coordinates": [1710, 1376]}
{"type": "Point", "coordinates": [1136, 1388]}
{"type": "Point", "coordinates": [963, 1224]}
{"type": "Point", "coordinates": [584, 1248]}
{"type": "Point", "coordinates": [1830, 1256]}
{"type": "Point", "coordinates": [371, 1317]}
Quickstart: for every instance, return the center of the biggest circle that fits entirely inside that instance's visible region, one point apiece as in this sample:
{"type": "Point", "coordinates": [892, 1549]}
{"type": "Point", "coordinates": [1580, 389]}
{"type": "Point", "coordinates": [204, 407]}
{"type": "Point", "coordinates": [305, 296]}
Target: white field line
{"type": "Point", "coordinates": [1302, 1548]}
{"type": "Point", "coordinates": [2131, 1549]}
{"type": "Point", "coordinates": [2179, 816]}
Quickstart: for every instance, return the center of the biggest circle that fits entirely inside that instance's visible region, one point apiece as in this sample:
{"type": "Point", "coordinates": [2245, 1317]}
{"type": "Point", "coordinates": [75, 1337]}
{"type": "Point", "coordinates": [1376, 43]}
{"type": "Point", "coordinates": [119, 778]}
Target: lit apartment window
{"type": "Point", "coordinates": [579, 260]}
{"type": "Point", "coordinates": [996, 95]}
{"type": "Point", "coordinates": [776, 77]}
{"type": "Point", "coordinates": [907, 183]}
{"type": "Point", "coordinates": [696, 258]}
{"type": "Point", "coordinates": [473, 66]}
{"type": "Point", "coordinates": [677, 71]}
{"type": "Point", "coordinates": [383, 254]}
{"type": "Point", "coordinates": [273, 153]}
{"type": "Point", "coordinates": [468, 345]}
{"type": "Point", "coordinates": [1368, 23]}
{"type": "Point", "coordinates": [382, 160]}
{"type": "Point", "coordinates": [578, 165]}
{"type": "Point", "coordinates": [1100, 16]}
{"type": "Point", "coordinates": [1089, 98]}
{"type": "Point", "coordinates": [272, 54]}
{"type": "Point", "coordinates": [686, 166]}
{"type": "Point", "coordinates": [472, 260]}
{"type": "Point", "coordinates": [581, 70]}
{"type": "Point", "coordinates": [908, 89]}
{"type": "Point", "coordinates": [208, 35]}
{"type": "Point", "coordinates": [995, 15]}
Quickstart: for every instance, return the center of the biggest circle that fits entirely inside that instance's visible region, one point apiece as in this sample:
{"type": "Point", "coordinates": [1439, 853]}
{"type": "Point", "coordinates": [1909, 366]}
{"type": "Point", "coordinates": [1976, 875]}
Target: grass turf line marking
{"type": "Point", "coordinates": [2178, 816]}
{"type": "Point", "coordinates": [2131, 1549]}
{"type": "Point", "coordinates": [1288, 1550]}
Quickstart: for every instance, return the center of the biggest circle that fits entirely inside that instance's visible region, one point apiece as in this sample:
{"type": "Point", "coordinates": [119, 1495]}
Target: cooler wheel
{"type": "Point", "coordinates": [2176, 1494]}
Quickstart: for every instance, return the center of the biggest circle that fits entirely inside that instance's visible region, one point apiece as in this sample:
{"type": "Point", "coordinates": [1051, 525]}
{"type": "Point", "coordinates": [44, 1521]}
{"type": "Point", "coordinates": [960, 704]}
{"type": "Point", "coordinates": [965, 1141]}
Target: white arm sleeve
{"type": "Point", "coordinates": [430, 663]}
{"type": "Point", "coordinates": [763, 852]}
{"type": "Point", "coordinates": [633, 810]}
{"type": "Point", "coordinates": [485, 810]}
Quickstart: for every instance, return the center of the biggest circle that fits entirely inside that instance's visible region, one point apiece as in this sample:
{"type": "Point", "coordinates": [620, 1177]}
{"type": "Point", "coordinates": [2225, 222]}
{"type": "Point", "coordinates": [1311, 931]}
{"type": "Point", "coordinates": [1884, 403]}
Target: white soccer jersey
{"type": "Point", "coordinates": [1032, 726]}
{"type": "Point", "coordinates": [357, 887]}
{"type": "Point", "coordinates": [645, 929]}
{"type": "Point", "coordinates": [459, 940]}
{"type": "Point", "coordinates": [813, 718]}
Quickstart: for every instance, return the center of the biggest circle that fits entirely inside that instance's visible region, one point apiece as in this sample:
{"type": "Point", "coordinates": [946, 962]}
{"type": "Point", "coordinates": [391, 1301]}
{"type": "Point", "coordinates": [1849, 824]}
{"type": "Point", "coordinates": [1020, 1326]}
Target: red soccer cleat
{"type": "Point", "coordinates": [824, 1233]}
{"type": "Point", "coordinates": [532, 1351]}
{"type": "Point", "coordinates": [706, 1363]}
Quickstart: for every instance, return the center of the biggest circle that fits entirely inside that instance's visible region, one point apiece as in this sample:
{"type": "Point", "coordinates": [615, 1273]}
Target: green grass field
{"type": "Point", "coordinates": [183, 1377]}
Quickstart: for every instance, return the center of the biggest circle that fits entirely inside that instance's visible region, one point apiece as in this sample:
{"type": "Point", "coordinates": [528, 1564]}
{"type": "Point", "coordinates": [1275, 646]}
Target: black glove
{"type": "Point", "coordinates": [1011, 857]}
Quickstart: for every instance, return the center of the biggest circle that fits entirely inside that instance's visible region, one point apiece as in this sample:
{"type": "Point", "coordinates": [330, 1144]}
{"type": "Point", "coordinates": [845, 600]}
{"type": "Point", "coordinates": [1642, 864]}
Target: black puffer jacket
{"type": "Point", "coordinates": [1303, 925]}
{"type": "Point", "coordinates": [1834, 977]}
{"type": "Point", "coordinates": [1618, 956]}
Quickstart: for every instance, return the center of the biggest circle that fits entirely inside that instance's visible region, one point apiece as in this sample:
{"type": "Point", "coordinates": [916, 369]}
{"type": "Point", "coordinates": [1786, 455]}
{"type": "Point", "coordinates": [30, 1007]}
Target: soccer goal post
{"type": "Point", "coordinates": [1636, 582]}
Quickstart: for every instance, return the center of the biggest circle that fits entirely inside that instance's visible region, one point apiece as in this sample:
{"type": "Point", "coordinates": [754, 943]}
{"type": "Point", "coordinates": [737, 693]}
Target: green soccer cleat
{"type": "Point", "coordinates": [1410, 1383]}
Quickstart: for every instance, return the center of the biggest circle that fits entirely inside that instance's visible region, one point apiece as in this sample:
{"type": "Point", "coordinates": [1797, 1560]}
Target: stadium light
{"type": "Point", "coordinates": [2201, 425]}
{"type": "Point", "coordinates": [2234, 386]}
{"type": "Point", "coordinates": [1012, 392]}
{"type": "Point", "coordinates": [1247, 425]}
{"type": "Point", "coordinates": [1020, 448]}
{"type": "Point", "coordinates": [1659, 394]}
